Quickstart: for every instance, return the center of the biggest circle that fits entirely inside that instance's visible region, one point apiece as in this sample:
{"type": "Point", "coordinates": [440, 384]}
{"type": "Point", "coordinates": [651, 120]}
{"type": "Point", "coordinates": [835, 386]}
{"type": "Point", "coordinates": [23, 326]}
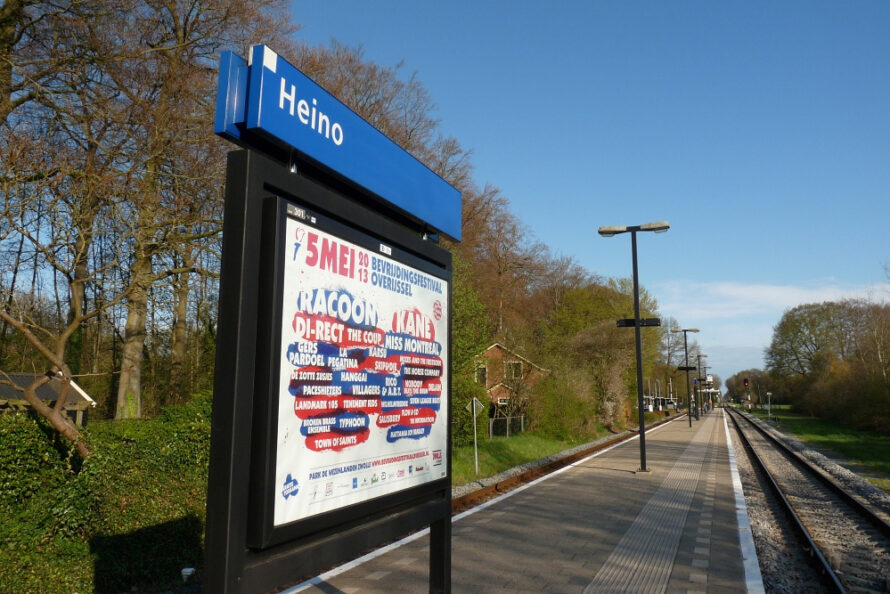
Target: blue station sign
{"type": "Point", "coordinates": [268, 99]}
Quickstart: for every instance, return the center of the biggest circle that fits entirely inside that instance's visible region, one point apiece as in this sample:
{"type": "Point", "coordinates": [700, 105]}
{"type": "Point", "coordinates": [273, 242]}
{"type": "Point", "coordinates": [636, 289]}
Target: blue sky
{"type": "Point", "coordinates": [759, 130]}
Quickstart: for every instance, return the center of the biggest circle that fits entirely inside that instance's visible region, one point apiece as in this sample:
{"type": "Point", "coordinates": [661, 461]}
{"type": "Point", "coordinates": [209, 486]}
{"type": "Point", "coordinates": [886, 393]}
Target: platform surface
{"type": "Point", "coordinates": [598, 525]}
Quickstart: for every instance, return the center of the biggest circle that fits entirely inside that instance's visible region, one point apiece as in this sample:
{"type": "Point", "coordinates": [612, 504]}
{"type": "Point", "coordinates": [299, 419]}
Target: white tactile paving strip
{"type": "Point", "coordinates": [653, 538]}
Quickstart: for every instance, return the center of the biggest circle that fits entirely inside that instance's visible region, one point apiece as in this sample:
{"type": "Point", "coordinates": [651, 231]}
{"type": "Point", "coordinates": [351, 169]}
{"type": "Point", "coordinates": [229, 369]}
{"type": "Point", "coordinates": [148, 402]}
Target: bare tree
{"type": "Point", "coordinates": [105, 111]}
{"type": "Point", "coordinates": [164, 74]}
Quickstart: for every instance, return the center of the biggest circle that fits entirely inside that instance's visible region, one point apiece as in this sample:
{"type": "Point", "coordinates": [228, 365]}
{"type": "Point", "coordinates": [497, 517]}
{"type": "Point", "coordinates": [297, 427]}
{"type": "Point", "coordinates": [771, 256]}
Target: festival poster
{"type": "Point", "coordinates": [362, 409]}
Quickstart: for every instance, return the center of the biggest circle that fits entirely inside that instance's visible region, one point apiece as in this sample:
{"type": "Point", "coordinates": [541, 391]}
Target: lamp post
{"type": "Point", "coordinates": [698, 397]}
{"type": "Point", "coordinates": [658, 393]}
{"type": "Point", "coordinates": [686, 368]}
{"type": "Point", "coordinates": [706, 384]}
{"type": "Point", "coordinates": [659, 227]}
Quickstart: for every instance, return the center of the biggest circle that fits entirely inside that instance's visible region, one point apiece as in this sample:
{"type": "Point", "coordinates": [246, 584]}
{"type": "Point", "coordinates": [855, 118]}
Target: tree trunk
{"type": "Point", "coordinates": [55, 416]}
{"type": "Point", "coordinates": [12, 16]}
{"type": "Point", "coordinates": [129, 390]}
{"type": "Point", "coordinates": [178, 379]}
{"type": "Point", "coordinates": [9, 298]}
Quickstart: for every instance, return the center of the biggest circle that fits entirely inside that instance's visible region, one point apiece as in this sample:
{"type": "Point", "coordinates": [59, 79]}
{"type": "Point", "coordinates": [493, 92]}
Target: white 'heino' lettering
{"type": "Point", "coordinates": [310, 115]}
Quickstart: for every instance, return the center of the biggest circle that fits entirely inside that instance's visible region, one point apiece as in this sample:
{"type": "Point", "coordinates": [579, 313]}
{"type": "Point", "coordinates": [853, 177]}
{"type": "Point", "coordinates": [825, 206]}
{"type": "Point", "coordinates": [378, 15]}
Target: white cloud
{"type": "Point", "coordinates": [731, 302]}
{"type": "Point", "coordinates": [737, 320]}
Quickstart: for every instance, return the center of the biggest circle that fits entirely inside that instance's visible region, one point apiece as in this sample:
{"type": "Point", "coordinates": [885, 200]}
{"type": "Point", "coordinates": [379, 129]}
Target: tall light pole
{"type": "Point", "coordinates": [659, 227]}
{"type": "Point", "coordinates": [706, 384]}
{"type": "Point", "coordinates": [698, 398]}
{"type": "Point", "coordinates": [686, 368]}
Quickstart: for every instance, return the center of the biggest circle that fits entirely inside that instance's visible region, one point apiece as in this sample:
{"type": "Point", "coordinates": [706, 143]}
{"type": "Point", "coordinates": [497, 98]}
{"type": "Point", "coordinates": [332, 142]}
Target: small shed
{"type": "Point", "coordinates": [12, 386]}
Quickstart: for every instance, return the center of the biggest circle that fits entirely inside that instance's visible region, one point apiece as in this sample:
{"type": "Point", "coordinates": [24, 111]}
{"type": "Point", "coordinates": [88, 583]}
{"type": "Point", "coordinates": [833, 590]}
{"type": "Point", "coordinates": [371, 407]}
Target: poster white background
{"type": "Point", "coordinates": [362, 398]}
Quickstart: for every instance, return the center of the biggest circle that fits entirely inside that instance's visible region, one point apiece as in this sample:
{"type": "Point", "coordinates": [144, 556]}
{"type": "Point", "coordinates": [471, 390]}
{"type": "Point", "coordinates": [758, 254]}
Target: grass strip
{"type": "Point", "coordinates": [864, 452]}
{"type": "Point", "coordinates": [503, 453]}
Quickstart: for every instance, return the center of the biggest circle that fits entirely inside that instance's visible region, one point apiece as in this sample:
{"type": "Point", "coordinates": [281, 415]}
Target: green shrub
{"type": "Point", "coordinates": [557, 412]}
{"type": "Point", "coordinates": [29, 460]}
{"type": "Point", "coordinates": [130, 516]}
{"type": "Point", "coordinates": [46, 508]}
{"type": "Point", "coordinates": [464, 389]}
{"type": "Point", "coordinates": [38, 481]}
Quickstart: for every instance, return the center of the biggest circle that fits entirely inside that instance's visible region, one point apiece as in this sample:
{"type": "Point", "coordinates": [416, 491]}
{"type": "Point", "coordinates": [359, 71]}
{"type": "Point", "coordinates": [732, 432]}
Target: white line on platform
{"type": "Point", "coordinates": [753, 578]}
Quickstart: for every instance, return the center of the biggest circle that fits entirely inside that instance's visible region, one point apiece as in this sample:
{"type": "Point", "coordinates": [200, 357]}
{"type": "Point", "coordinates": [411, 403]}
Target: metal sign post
{"type": "Point", "coordinates": [475, 407]}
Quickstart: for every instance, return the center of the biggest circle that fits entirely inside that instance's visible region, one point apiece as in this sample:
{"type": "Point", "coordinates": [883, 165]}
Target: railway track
{"type": "Point", "coordinates": [848, 540]}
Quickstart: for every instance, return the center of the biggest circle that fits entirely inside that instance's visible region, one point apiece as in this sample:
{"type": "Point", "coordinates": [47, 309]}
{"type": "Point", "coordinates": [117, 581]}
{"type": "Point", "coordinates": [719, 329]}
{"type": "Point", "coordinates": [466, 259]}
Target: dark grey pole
{"type": "Point", "coordinates": [639, 345]}
{"type": "Point", "coordinates": [704, 382]}
{"type": "Point", "coordinates": [688, 394]}
{"type": "Point", "coordinates": [610, 231]}
{"type": "Point", "coordinates": [698, 392]}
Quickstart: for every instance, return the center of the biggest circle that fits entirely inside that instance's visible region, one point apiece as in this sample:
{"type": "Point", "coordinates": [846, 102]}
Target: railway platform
{"type": "Point", "coordinates": [598, 525]}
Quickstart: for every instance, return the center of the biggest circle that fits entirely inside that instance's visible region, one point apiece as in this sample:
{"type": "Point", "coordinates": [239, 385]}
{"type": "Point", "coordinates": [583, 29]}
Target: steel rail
{"type": "Point", "coordinates": [829, 576]}
{"type": "Point", "coordinates": [881, 523]}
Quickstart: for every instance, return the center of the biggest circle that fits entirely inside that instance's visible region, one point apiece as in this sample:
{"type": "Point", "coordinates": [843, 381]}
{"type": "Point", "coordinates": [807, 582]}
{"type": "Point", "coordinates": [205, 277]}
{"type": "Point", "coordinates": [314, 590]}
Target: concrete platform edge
{"type": "Point", "coordinates": [753, 577]}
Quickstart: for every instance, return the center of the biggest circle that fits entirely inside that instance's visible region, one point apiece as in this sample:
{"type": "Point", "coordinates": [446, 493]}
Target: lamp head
{"type": "Point", "coordinates": [611, 231]}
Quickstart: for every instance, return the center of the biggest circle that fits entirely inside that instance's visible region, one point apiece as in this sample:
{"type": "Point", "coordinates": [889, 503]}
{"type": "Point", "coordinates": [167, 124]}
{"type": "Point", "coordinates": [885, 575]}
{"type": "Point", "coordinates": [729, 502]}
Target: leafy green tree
{"type": "Point", "coordinates": [759, 383]}
{"type": "Point", "coordinates": [831, 359]}
{"type": "Point", "coordinates": [804, 340]}
{"type": "Point", "coordinates": [590, 358]}
{"type": "Point", "coordinates": [470, 335]}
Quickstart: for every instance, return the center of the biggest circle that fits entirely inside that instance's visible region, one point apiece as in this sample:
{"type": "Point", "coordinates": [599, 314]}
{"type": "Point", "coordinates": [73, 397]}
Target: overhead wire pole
{"type": "Point", "coordinates": [659, 227]}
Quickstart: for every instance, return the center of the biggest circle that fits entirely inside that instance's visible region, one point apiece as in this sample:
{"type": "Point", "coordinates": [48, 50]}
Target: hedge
{"type": "Point", "coordinates": [129, 518]}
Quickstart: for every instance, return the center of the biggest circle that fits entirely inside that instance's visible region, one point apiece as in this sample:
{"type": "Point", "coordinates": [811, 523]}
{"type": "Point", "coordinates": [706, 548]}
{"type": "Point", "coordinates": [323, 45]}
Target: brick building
{"type": "Point", "coordinates": [507, 376]}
